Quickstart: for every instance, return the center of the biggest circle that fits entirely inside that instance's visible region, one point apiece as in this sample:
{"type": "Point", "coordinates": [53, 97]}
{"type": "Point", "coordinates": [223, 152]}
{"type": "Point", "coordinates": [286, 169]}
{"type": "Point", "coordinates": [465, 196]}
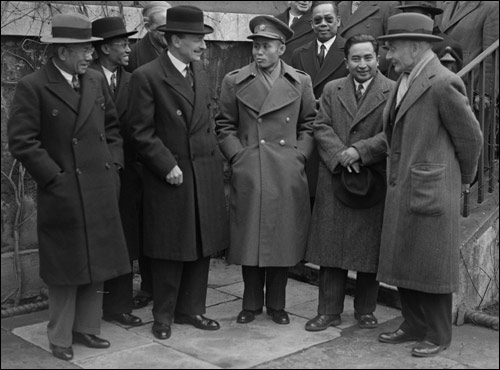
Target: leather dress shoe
{"type": "Point", "coordinates": [367, 321]}
{"type": "Point", "coordinates": [123, 318]}
{"type": "Point", "coordinates": [161, 331]}
{"type": "Point", "coordinates": [198, 321]}
{"type": "Point", "coordinates": [63, 353]}
{"type": "Point", "coordinates": [247, 316]}
{"type": "Point", "coordinates": [321, 322]}
{"type": "Point", "coordinates": [141, 301]}
{"type": "Point", "coordinates": [90, 340]}
{"type": "Point", "coordinates": [427, 349]}
{"type": "Point", "coordinates": [396, 337]}
{"type": "Point", "coordinates": [278, 316]}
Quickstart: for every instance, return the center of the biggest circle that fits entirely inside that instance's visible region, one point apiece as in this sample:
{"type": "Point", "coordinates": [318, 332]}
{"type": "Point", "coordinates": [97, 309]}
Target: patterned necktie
{"type": "Point", "coordinates": [189, 76]}
{"type": "Point", "coordinates": [359, 93]}
{"type": "Point", "coordinates": [112, 85]}
{"type": "Point", "coordinates": [76, 84]}
{"type": "Point", "coordinates": [321, 55]}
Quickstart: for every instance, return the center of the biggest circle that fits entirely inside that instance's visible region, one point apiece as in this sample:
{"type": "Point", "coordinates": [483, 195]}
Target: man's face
{"type": "Point", "coordinates": [266, 52]}
{"type": "Point", "coordinates": [118, 51]}
{"type": "Point", "coordinates": [189, 48]}
{"type": "Point", "coordinates": [402, 54]}
{"type": "Point", "coordinates": [362, 61]}
{"type": "Point", "coordinates": [325, 22]}
{"type": "Point", "coordinates": [300, 6]}
{"type": "Point", "coordinates": [76, 58]}
{"type": "Point", "coordinates": [156, 20]}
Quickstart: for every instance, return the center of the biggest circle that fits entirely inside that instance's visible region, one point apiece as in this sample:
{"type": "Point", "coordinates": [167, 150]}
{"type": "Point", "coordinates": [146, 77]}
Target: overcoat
{"type": "Point", "coordinates": [171, 124]}
{"type": "Point", "coordinates": [267, 137]}
{"type": "Point", "coordinates": [341, 236]}
{"type": "Point", "coordinates": [142, 52]}
{"type": "Point", "coordinates": [434, 142]}
{"type": "Point", "coordinates": [302, 33]}
{"type": "Point", "coordinates": [131, 188]}
{"type": "Point", "coordinates": [70, 146]}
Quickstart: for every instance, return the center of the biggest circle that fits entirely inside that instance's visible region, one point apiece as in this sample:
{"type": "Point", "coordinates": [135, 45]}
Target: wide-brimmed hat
{"type": "Point", "coordinates": [110, 27]}
{"type": "Point", "coordinates": [358, 190]}
{"type": "Point", "coordinates": [185, 19]}
{"type": "Point", "coordinates": [427, 6]}
{"type": "Point", "coordinates": [70, 29]}
{"type": "Point", "coordinates": [269, 27]}
{"type": "Point", "coordinates": [410, 26]}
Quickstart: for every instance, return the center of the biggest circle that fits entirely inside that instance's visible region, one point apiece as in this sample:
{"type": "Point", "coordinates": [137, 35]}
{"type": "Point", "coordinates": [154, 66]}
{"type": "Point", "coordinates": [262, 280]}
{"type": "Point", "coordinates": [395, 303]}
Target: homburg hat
{"type": "Point", "coordinates": [185, 19]}
{"type": "Point", "coordinates": [70, 29]}
{"type": "Point", "coordinates": [410, 26]}
{"type": "Point", "coordinates": [269, 27]}
{"type": "Point", "coordinates": [427, 6]}
{"type": "Point", "coordinates": [110, 27]}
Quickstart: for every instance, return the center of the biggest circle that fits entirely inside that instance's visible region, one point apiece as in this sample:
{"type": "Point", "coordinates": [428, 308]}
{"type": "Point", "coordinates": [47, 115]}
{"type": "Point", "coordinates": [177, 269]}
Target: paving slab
{"type": "Point", "coordinates": [221, 273]}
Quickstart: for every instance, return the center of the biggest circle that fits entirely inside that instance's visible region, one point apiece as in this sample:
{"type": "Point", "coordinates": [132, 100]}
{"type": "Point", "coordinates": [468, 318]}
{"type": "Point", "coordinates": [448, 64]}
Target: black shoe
{"type": "Point", "coordinates": [63, 353]}
{"type": "Point", "coordinates": [247, 316]}
{"type": "Point", "coordinates": [367, 321]}
{"type": "Point", "coordinates": [126, 319]}
{"type": "Point", "coordinates": [278, 316]}
{"type": "Point", "coordinates": [427, 349]}
{"type": "Point", "coordinates": [141, 301]}
{"type": "Point", "coordinates": [90, 340]}
{"type": "Point", "coordinates": [161, 331]}
{"type": "Point", "coordinates": [321, 322]}
{"type": "Point", "coordinates": [198, 321]}
{"type": "Point", "coordinates": [396, 337]}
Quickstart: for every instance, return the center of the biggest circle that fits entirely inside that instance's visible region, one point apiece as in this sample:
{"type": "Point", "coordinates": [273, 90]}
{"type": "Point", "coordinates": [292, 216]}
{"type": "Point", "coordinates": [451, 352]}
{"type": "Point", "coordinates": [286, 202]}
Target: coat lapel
{"type": "Point", "coordinates": [466, 9]}
{"type": "Point", "coordinates": [333, 61]}
{"type": "Point", "coordinates": [253, 93]}
{"type": "Point", "coordinates": [283, 91]}
{"type": "Point", "coordinates": [359, 16]}
{"type": "Point", "coordinates": [347, 97]}
{"type": "Point", "coordinates": [121, 95]}
{"type": "Point", "coordinates": [88, 97]}
{"type": "Point", "coordinates": [58, 85]}
{"type": "Point", "coordinates": [175, 79]}
{"type": "Point", "coordinates": [201, 89]}
{"type": "Point", "coordinates": [309, 59]}
{"type": "Point", "coordinates": [375, 95]}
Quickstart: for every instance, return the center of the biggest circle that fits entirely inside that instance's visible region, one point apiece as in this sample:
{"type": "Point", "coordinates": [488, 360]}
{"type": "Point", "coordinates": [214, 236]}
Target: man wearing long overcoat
{"type": "Point", "coordinates": [185, 219]}
{"type": "Point", "coordinates": [434, 143]}
{"type": "Point", "coordinates": [64, 129]}
{"type": "Point", "coordinates": [264, 131]}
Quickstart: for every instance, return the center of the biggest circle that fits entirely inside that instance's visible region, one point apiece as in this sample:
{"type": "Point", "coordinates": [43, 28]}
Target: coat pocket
{"type": "Point", "coordinates": [427, 189]}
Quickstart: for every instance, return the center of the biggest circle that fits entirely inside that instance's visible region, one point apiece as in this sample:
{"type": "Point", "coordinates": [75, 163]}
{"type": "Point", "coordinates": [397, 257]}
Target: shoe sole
{"type": "Point", "coordinates": [399, 342]}
{"type": "Point", "coordinates": [416, 354]}
{"type": "Point", "coordinates": [187, 322]}
{"type": "Point", "coordinates": [333, 324]}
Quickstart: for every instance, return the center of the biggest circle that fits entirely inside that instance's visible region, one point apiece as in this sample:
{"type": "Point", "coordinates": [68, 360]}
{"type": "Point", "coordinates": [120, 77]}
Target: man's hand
{"type": "Point", "coordinates": [354, 167]}
{"type": "Point", "coordinates": [175, 176]}
{"type": "Point", "coordinates": [465, 188]}
{"type": "Point", "coordinates": [349, 156]}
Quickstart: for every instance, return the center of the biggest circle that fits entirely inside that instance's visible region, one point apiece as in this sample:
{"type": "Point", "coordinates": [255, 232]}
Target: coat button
{"type": "Point", "coordinates": [74, 141]}
{"type": "Point", "coordinates": [282, 142]}
{"type": "Point", "coordinates": [55, 112]}
{"type": "Point", "coordinates": [103, 106]}
{"type": "Point", "coordinates": [262, 141]}
{"type": "Point", "coordinates": [287, 119]}
{"type": "Point", "coordinates": [259, 120]}
{"type": "Point", "coordinates": [102, 137]}
{"type": "Point", "coordinates": [108, 166]}
{"type": "Point", "coordinates": [179, 112]}
{"type": "Point", "coordinates": [78, 171]}
{"type": "Point", "coordinates": [392, 184]}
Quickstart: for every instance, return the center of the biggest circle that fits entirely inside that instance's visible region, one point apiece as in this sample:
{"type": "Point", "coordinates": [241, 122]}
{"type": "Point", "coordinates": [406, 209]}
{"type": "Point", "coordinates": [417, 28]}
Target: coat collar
{"type": "Point", "coordinates": [359, 16]}
{"type": "Point", "coordinates": [58, 85]}
{"type": "Point", "coordinates": [466, 9]}
{"type": "Point", "coordinates": [175, 79]}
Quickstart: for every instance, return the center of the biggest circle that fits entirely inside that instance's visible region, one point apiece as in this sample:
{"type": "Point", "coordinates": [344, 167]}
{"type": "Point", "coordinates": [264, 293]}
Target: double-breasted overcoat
{"type": "Point", "coordinates": [266, 135]}
{"type": "Point", "coordinates": [71, 145]}
{"type": "Point", "coordinates": [434, 142]}
{"type": "Point", "coordinates": [341, 236]}
{"type": "Point", "coordinates": [171, 124]}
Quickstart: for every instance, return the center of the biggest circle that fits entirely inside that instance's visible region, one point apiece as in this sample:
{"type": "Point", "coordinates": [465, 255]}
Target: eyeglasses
{"type": "Point", "coordinates": [328, 19]}
{"type": "Point", "coordinates": [86, 51]}
{"type": "Point", "coordinates": [123, 44]}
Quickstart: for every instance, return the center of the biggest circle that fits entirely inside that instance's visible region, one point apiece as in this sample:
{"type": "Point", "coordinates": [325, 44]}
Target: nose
{"type": "Point", "coordinates": [203, 45]}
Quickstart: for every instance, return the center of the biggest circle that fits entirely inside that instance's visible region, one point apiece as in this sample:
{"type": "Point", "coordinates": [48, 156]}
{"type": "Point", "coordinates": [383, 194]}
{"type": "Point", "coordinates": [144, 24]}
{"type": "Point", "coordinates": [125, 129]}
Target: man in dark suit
{"type": "Point", "coordinates": [298, 17]}
{"type": "Point", "coordinates": [113, 54]}
{"type": "Point", "coordinates": [323, 60]}
{"type": "Point", "coordinates": [64, 129]}
{"type": "Point", "coordinates": [185, 219]}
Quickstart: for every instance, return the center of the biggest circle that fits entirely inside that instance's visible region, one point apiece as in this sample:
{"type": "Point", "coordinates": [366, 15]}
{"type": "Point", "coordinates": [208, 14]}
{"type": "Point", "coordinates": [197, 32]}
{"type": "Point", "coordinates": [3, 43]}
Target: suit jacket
{"type": "Point", "coordinates": [426, 166]}
{"type": "Point", "coordinates": [171, 124]}
{"type": "Point", "coordinates": [303, 33]}
{"type": "Point", "coordinates": [142, 52]}
{"type": "Point", "coordinates": [70, 145]}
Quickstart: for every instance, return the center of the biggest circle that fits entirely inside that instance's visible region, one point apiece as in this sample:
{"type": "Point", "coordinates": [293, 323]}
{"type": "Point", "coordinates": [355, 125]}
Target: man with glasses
{"type": "Point", "coordinates": [113, 55]}
{"type": "Point", "coordinates": [323, 60]}
{"type": "Point", "coordinates": [64, 129]}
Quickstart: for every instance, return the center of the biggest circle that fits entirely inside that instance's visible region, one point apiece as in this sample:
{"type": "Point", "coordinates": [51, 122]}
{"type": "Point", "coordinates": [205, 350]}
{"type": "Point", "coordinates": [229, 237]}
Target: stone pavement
{"type": "Point", "coordinates": [260, 344]}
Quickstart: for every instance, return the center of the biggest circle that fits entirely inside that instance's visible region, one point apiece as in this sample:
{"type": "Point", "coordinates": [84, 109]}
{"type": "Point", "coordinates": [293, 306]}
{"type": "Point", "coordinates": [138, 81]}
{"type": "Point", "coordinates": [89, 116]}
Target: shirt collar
{"type": "Point", "coordinates": [328, 44]}
{"type": "Point", "coordinates": [108, 74]}
{"type": "Point", "coordinates": [178, 64]}
{"type": "Point", "coordinates": [68, 77]}
{"type": "Point", "coordinates": [365, 84]}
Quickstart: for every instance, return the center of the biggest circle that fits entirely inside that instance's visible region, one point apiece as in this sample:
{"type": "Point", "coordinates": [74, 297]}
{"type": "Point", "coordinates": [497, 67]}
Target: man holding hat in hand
{"type": "Point", "coordinates": [112, 56]}
{"type": "Point", "coordinates": [434, 142]}
{"type": "Point", "coordinates": [264, 131]}
{"type": "Point", "coordinates": [64, 129]}
{"type": "Point", "coordinates": [185, 220]}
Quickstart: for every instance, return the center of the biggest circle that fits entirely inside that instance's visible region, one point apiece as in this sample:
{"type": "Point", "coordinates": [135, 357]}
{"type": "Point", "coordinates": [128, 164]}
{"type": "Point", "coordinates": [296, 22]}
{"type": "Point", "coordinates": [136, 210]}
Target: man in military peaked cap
{"type": "Point", "coordinates": [264, 131]}
{"type": "Point", "coordinates": [64, 129]}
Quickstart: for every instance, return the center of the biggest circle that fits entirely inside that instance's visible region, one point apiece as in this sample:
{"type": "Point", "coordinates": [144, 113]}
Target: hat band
{"type": "Point", "coordinates": [72, 33]}
{"type": "Point", "coordinates": [400, 30]}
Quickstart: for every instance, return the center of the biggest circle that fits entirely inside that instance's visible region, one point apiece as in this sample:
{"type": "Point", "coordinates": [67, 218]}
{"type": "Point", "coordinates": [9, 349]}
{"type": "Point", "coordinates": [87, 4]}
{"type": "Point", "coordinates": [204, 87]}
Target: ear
{"type": "Point", "coordinates": [105, 49]}
{"type": "Point", "coordinates": [281, 49]}
{"type": "Point", "coordinates": [346, 64]}
{"type": "Point", "coordinates": [61, 52]}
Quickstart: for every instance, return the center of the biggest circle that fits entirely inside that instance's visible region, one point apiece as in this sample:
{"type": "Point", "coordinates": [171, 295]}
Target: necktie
{"type": "Point", "coordinates": [112, 85]}
{"type": "Point", "coordinates": [359, 93]}
{"type": "Point", "coordinates": [321, 55]}
{"type": "Point", "coordinates": [189, 76]}
{"type": "Point", "coordinates": [76, 84]}
{"type": "Point", "coordinates": [294, 20]}
{"type": "Point", "coordinates": [354, 6]}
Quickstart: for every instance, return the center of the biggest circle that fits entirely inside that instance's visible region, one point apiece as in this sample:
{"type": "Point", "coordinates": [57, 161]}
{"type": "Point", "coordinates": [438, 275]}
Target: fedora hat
{"type": "Point", "coordinates": [358, 190]}
{"type": "Point", "coordinates": [110, 27]}
{"type": "Point", "coordinates": [410, 26]}
{"type": "Point", "coordinates": [185, 19]}
{"type": "Point", "coordinates": [269, 27]}
{"type": "Point", "coordinates": [427, 6]}
{"type": "Point", "coordinates": [70, 29]}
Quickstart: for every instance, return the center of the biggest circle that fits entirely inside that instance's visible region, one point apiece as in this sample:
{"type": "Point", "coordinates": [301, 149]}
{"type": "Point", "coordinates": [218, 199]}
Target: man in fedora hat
{"type": "Point", "coordinates": [434, 142]}
{"type": "Point", "coordinates": [347, 219]}
{"type": "Point", "coordinates": [185, 220]}
{"type": "Point", "coordinates": [112, 56]}
{"type": "Point", "coordinates": [64, 129]}
{"type": "Point", "coordinates": [264, 131]}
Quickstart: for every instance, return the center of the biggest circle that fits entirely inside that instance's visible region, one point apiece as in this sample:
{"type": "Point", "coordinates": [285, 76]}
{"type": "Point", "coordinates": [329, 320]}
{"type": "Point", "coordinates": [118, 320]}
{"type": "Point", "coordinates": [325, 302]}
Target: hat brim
{"type": "Point", "coordinates": [428, 9]}
{"type": "Point", "coordinates": [410, 36]}
{"type": "Point", "coordinates": [265, 35]}
{"type": "Point", "coordinates": [64, 40]}
{"type": "Point", "coordinates": [119, 34]}
{"type": "Point", "coordinates": [206, 30]}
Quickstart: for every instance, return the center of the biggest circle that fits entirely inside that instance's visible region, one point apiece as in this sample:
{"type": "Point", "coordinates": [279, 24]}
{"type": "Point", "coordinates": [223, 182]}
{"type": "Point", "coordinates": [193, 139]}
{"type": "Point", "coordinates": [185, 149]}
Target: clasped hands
{"type": "Point", "coordinates": [350, 159]}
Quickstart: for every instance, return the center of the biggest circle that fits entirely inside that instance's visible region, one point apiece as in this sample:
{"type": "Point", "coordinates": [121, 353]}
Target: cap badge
{"type": "Point", "coordinates": [262, 27]}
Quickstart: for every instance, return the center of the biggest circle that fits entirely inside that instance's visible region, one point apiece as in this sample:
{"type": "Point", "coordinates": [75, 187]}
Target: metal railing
{"type": "Point", "coordinates": [483, 96]}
